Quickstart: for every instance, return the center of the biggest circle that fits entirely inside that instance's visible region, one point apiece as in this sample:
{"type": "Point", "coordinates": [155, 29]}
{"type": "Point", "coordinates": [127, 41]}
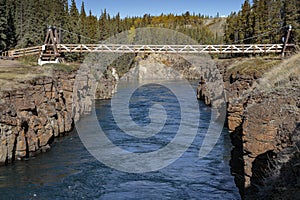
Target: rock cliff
{"type": "Point", "coordinates": [42, 108]}
{"type": "Point", "coordinates": [261, 126]}
{"type": "Point", "coordinates": [162, 67]}
{"type": "Point", "coordinates": [263, 114]}
{"type": "Point", "coordinates": [31, 116]}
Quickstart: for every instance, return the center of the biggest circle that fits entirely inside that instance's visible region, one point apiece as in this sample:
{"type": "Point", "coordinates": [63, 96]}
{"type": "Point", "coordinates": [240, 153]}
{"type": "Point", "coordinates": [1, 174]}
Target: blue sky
{"type": "Point", "coordinates": [156, 7]}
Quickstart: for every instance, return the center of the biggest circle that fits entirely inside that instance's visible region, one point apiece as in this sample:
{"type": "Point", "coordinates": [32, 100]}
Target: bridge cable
{"type": "Point", "coordinates": [235, 42]}
{"type": "Point", "coordinates": [260, 35]}
{"type": "Point", "coordinates": [82, 36]}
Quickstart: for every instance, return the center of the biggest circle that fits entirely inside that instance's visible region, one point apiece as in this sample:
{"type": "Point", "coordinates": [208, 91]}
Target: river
{"type": "Point", "coordinates": [69, 171]}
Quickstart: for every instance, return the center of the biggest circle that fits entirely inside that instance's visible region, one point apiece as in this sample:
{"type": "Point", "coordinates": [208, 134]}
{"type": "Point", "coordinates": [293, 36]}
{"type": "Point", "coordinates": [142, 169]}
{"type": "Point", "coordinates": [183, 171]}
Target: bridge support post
{"type": "Point", "coordinates": [50, 53]}
{"type": "Point", "coordinates": [286, 41]}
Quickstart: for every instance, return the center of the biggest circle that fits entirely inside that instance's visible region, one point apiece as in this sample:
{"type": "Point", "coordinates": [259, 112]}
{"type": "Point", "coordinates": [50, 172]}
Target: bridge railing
{"type": "Point", "coordinates": [128, 48]}
{"type": "Point", "coordinates": [23, 52]}
{"type": "Point", "coordinates": [125, 48]}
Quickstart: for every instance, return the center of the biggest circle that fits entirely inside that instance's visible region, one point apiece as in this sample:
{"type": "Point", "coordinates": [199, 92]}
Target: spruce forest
{"type": "Point", "coordinates": [23, 23]}
{"type": "Point", "coordinates": [264, 21]}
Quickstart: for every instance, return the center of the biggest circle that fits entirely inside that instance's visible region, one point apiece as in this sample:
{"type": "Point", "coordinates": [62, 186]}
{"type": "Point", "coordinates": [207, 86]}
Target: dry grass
{"type": "Point", "coordinates": [16, 73]}
{"type": "Point", "coordinates": [68, 68]}
{"type": "Point", "coordinates": [11, 70]}
{"type": "Point", "coordinates": [249, 66]}
{"type": "Point", "coordinates": [29, 60]}
{"type": "Point", "coordinates": [281, 75]}
{"type": "Point", "coordinates": [13, 73]}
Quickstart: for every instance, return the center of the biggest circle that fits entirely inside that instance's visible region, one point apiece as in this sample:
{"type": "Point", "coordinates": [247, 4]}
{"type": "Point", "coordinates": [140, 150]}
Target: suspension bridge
{"type": "Point", "coordinates": [52, 50]}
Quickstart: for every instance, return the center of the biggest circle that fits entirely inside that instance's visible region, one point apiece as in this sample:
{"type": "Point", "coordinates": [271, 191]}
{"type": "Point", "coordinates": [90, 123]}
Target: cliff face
{"type": "Point", "coordinates": [33, 115]}
{"type": "Point", "coordinates": [43, 108]}
{"type": "Point", "coordinates": [163, 67]}
{"type": "Point", "coordinates": [283, 180]}
{"type": "Point", "coordinates": [263, 114]}
{"type": "Point", "coordinates": [262, 125]}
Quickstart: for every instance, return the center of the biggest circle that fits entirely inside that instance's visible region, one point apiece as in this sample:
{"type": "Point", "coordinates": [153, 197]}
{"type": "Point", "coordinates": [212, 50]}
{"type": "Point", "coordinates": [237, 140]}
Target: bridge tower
{"type": "Point", "coordinates": [286, 40]}
{"type": "Point", "coordinates": [50, 53]}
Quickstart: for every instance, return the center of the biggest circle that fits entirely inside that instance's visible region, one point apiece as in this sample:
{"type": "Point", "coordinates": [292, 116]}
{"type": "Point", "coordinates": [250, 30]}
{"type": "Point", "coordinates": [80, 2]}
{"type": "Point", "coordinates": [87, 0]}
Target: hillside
{"type": "Point", "coordinates": [216, 25]}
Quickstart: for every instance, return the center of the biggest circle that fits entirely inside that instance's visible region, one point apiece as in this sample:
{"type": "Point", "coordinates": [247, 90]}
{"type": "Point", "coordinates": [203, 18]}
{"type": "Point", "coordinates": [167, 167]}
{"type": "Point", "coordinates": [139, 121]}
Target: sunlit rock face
{"type": "Point", "coordinates": [34, 114]}
{"type": "Point", "coordinates": [264, 123]}
{"type": "Point", "coordinates": [44, 108]}
{"type": "Point", "coordinates": [162, 67]}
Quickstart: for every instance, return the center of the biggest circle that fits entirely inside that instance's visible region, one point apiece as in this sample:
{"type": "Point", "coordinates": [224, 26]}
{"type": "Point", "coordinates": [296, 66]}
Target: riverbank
{"type": "Point", "coordinates": [38, 104]}
{"type": "Point", "coordinates": [263, 116]}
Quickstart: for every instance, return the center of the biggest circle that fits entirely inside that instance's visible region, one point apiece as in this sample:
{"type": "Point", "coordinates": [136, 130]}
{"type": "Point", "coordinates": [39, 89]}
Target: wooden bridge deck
{"type": "Point", "coordinates": [176, 49]}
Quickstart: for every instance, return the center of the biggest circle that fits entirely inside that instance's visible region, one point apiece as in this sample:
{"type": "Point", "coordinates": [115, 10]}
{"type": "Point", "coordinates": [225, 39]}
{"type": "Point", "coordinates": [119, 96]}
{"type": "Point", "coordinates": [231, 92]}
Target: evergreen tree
{"type": "Point", "coordinates": [73, 26]}
{"type": "Point", "coordinates": [256, 20]}
{"type": "Point", "coordinates": [245, 22]}
{"type": "Point", "coordinates": [92, 26]}
{"type": "Point", "coordinates": [292, 17]}
{"type": "Point", "coordinates": [65, 21]}
{"type": "Point", "coordinates": [119, 27]}
{"type": "Point", "coordinates": [11, 39]}
{"type": "Point", "coordinates": [263, 21]}
{"type": "Point", "coordinates": [30, 31]}
{"type": "Point", "coordinates": [19, 19]}
{"type": "Point", "coordinates": [103, 26]}
{"type": "Point", "coordinates": [275, 21]}
{"type": "Point", "coordinates": [56, 13]}
{"type": "Point", "coordinates": [3, 25]}
{"type": "Point", "coordinates": [82, 24]}
{"type": "Point", "coordinates": [231, 29]}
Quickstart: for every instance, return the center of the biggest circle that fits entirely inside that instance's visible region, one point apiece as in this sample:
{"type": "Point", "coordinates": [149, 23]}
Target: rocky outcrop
{"type": "Point", "coordinates": [162, 67]}
{"type": "Point", "coordinates": [107, 85]}
{"type": "Point", "coordinates": [33, 115]}
{"type": "Point", "coordinates": [92, 83]}
{"type": "Point", "coordinates": [44, 108]}
{"type": "Point", "coordinates": [203, 92]}
{"type": "Point", "coordinates": [282, 180]}
{"type": "Point", "coordinates": [261, 128]}
{"type": "Point", "coordinates": [263, 122]}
